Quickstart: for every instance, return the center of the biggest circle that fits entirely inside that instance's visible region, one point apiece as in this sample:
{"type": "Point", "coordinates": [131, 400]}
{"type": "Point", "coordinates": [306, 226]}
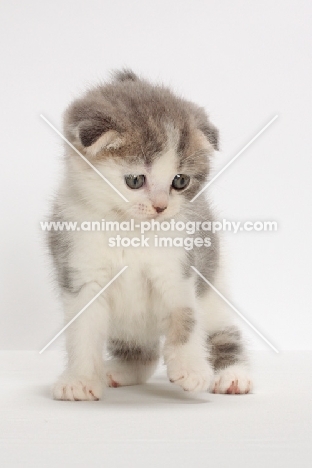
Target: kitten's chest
{"type": "Point", "coordinates": [148, 266]}
{"type": "Point", "coordinates": [137, 291]}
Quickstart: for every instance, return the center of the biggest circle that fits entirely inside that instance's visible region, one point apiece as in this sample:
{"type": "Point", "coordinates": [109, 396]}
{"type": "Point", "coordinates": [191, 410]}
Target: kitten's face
{"type": "Point", "coordinates": [150, 145]}
{"type": "Point", "coordinates": [159, 189]}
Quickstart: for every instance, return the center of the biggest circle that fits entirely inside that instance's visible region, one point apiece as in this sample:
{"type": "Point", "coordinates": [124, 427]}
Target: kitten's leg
{"type": "Point", "coordinates": [227, 355]}
{"type": "Point", "coordinates": [131, 363]}
{"type": "Point", "coordinates": [82, 380]}
{"type": "Point", "coordinates": [184, 352]}
{"type": "Point", "coordinates": [225, 347]}
{"type": "Point", "coordinates": [185, 348]}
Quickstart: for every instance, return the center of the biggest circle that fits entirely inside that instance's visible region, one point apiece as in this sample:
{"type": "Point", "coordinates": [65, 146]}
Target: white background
{"type": "Point", "coordinates": [243, 61]}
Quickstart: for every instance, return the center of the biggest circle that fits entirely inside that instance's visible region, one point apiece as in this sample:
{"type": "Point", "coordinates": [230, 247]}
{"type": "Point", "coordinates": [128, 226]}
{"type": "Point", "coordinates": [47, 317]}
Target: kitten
{"type": "Point", "coordinates": [154, 148]}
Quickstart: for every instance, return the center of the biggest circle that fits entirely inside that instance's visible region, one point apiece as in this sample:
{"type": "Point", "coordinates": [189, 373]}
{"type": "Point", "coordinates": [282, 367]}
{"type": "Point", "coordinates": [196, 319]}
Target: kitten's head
{"type": "Point", "coordinates": [151, 145]}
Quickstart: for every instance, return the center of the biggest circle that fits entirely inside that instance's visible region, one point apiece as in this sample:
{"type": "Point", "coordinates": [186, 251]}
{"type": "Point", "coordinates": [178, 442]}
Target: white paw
{"type": "Point", "coordinates": [77, 388]}
{"type": "Point", "coordinates": [194, 377]}
{"type": "Point", "coordinates": [232, 380]}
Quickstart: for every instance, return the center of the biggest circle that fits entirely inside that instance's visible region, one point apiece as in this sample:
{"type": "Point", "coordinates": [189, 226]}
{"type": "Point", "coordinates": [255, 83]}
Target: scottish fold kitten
{"type": "Point", "coordinates": [154, 148]}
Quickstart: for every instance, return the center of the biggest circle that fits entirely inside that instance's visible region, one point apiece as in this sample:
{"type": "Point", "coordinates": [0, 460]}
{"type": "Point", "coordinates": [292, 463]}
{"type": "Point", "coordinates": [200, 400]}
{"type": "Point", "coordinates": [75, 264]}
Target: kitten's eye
{"type": "Point", "coordinates": [135, 182]}
{"type": "Point", "coordinates": [180, 181]}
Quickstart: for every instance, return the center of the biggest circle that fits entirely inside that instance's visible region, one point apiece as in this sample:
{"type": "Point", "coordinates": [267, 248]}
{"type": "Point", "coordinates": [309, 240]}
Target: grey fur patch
{"type": "Point", "coordinates": [132, 352]}
{"type": "Point", "coordinates": [125, 75]}
{"type": "Point", "coordinates": [205, 259]}
{"type": "Point", "coordinates": [184, 139]}
{"type": "Point", "coordinates": [226, 348]}
{"type": "Point", "coordinates": [212, 134]}
{"type": "Point", "coordinates": [189, 259]}
{"type": "Point", "coordinates": [140, 112]}
{"type": "Point", "coordinates": [59, 243]}
{"type": "Point", "coordinates": [181, 324]}
{"type": "Point", "coordinates": [67, 276]}
{"type": "Point", "coordinates": [91, 130]}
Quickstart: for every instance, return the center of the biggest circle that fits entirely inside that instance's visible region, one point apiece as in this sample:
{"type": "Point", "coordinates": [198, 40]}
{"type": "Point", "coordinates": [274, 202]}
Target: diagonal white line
{"type": "Point", "coordinates": [83, 309]}
{"type": "Point", "coordinates": [85, 159]}
{"type": "Point", "coordinates": [235, 310]}
{"type": "Point", "coordinates": [235, 157]}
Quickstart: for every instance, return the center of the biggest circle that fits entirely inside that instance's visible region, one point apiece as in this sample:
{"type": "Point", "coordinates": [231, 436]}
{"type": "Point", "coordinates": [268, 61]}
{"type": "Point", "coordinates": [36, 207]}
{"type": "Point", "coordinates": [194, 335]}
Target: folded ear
{"type": "Point", "coordinates": [89, 125]}
{"type": "Point", "coordinates": [205, 126]}
{"type": "Point", "coordinates": [212, 134]}
{"type": "Point", "coordinates": [96, 135]}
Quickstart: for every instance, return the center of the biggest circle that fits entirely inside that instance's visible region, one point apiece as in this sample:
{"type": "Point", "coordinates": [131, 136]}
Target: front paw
{"type": "Point", "coordinates": [232, 380]}
{"type": "Point", "coordinates": [192, 377]}
{"type": "Point", "coordinates": [76, 388]}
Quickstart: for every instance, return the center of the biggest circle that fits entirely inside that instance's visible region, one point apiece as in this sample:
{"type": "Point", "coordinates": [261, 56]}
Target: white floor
{"type": "Point", "coordinates": [157, 424]}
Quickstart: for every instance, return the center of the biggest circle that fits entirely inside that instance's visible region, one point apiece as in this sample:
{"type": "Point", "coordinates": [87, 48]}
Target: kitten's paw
{"type": "Point", "coordinates": [77, 389]}
{"type": "Point", "coordinates": [192, 378]}
{"type": "Point", "coordinates": [232, 380]}
{"type": "Point", "coordinates": [119, 374]}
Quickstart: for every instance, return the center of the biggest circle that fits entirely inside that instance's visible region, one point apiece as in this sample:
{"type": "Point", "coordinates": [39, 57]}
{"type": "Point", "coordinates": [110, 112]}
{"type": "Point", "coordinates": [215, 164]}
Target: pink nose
{"type": "Point", "coordinates": [159, 209]}
{"type": "Point", "coordinates": [159, 200]}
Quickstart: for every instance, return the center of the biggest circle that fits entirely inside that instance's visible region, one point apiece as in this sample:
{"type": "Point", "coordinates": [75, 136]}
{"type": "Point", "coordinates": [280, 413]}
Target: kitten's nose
{"type": "Point", "coordinates": [159, 200]}
{"type": "Point", "coordinates": [159, 209]}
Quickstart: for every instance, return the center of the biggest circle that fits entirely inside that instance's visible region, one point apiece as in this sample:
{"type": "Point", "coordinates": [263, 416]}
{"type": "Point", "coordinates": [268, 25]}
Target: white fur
{"type": "Point", "coordinates": [234, 379]}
